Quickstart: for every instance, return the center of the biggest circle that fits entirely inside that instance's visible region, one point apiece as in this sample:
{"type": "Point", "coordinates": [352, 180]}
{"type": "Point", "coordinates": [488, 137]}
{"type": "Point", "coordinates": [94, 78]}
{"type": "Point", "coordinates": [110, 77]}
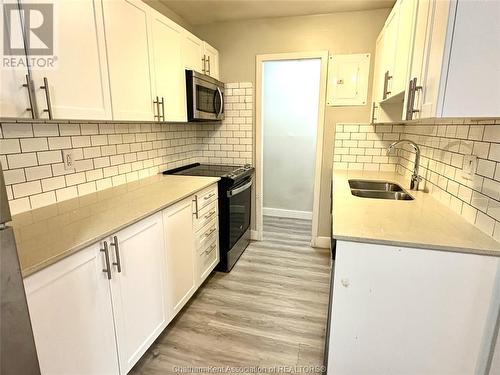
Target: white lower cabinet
{"type": "Point", "coordinates": [180, 249]}
{"type": "Point", "coordinates": [138, 288]}
{"type": "Point", "coordinates": [72, 316]}
{"type": "Point", "coordinates": [399, 310]}
{"type": "Point", "coordinates": [97, 311]}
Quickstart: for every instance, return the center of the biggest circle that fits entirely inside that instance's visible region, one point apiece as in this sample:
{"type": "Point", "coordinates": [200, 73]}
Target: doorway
{"type": "Point", "coordinates": [289, 136]}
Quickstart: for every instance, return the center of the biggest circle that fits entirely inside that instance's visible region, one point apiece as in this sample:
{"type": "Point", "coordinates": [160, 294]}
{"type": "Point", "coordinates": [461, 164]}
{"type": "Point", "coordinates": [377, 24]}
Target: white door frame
{"type": "Point", "coordinates": [259, 157]}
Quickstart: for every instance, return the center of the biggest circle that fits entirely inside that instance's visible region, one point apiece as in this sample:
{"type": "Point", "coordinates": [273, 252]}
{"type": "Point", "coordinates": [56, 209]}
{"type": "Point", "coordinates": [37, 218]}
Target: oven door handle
{"type": "Point", "coordinates": [233, 192]}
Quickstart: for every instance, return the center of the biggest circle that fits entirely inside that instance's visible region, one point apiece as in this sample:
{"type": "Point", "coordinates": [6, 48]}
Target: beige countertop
{"type": "Point", "coordinates": [421, 223]}
{"type": "Point", "coordinates": [49, 234]}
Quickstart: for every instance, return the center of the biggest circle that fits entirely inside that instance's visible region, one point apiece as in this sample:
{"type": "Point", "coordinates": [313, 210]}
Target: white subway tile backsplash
{"type": "Point", "coordinates": [26, 189]}
{"type": "Point", "coordinates": [21, 160]}
{"type": "Point", "coordinates": [10, 146]}
{"type": "Point", "coordinates": [14, 176]}
{"type": "Point", "coordinates": [109, 154]}
{"type": "Point", "coordinates": [45, 130]}
{"type": "Point", "coordinates": [34, 144]}
{"type": "Point", "coordinates": [17, 130]}
{"type": "Point", "coordinates": [492, 133]}
{"type": "Point", "coordinates": [38, 173]}
{"type": "Point", "coordinates": [66, 193]}
{"type": "Point", "coordinates": [43, 199]}
{"type": "Point", "coordinates": [49, 157]}
{"type": "Point", "coordinates": [69, 129]}
{"type": "Point", "coordinates": [57, 143]}
{"type": "Point", "coordinates": [441, 165]}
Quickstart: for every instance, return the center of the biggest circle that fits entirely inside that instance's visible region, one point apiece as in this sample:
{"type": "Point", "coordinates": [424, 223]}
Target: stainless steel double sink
{"type": "Point", "coordinates": [378, 190]}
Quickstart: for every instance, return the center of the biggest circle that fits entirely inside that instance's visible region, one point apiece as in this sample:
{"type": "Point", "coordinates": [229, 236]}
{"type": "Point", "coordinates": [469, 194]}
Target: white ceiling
{"type": "Point", "coordinates": [198, 12]}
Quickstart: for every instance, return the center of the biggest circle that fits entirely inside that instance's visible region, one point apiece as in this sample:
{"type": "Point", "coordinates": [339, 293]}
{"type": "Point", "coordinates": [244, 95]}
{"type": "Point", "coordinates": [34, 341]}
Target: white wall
{"type": "Point", "coordinates": [290, 120]}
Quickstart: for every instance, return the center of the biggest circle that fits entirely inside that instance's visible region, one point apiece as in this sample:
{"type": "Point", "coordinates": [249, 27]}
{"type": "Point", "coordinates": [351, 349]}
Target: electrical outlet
{"type": "Point", "coordinates": [469, 166]}
{"type": "Point", "coordinates": [68, 159]}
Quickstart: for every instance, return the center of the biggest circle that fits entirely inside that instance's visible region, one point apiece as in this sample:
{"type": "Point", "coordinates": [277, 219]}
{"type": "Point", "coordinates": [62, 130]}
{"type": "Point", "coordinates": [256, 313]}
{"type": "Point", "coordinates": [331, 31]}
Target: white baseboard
{"type": "Point", "coordinates": [321, 242]}
{"type": "Point", "coordinates": [279, 212]}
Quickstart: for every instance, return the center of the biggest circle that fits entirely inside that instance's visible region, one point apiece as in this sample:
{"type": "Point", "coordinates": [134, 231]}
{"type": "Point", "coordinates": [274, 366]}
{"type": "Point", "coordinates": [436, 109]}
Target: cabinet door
{"type": "Point", "coordinates": [378, 69]}
{"type": "Point", "coordinates": [404, 41]}
{"type": "Point", "coordinates": [473, 76]}
{"type": "Point", "coordinates": [212, 60]}
{"type": "Point", "coordinates": [192, 53]}
{"type": "Point", "coordinates": [180, 247]}
{"type": "Point", "coordinates": [78, 82]}
{"type": "Point", "coordinates": [390, 42]}
{"type": "Point", "coordinates": [419, 51]}
{"type": "Point", "coordinates": [138, 291]}
{"type": "Point", "coordinates": [128, 51]}
{"type": "Point", "coordinates": [72, 317]}
{"type": "Point", "coordinates": [169, 72]}
{"type": "Point", "coordinates": [14, 99]}
{"type": "Point", "coordinates": [435, 60]}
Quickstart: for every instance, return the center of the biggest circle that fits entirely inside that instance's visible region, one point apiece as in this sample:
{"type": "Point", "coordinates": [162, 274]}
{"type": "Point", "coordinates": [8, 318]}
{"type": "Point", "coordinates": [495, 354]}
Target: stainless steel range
{"type": "Point", "coordinates": [235, 203]}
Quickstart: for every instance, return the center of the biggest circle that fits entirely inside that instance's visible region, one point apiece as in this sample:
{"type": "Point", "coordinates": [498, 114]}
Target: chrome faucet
{"type": "Point", "coordinates": [415, 178]}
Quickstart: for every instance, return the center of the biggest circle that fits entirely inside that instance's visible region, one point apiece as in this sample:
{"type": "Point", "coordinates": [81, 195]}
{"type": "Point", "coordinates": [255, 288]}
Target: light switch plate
{"type": "Point", "coordinates": [469, 166]}
{"type": "Point", "coordinates": [68, 159]}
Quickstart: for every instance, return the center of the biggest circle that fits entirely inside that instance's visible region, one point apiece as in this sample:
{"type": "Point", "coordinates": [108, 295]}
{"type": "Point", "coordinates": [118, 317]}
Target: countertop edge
{"type": "Point", "coordinates": [25, 273]}
{"type": "Point", "coordinates": [420, 246]}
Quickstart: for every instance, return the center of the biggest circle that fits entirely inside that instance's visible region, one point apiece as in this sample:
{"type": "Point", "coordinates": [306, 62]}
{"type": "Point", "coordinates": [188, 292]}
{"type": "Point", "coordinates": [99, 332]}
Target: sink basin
{"type": "Point", "coordinates": [374, 185]}
{"type": "Point", "coordinates": [379, 194]}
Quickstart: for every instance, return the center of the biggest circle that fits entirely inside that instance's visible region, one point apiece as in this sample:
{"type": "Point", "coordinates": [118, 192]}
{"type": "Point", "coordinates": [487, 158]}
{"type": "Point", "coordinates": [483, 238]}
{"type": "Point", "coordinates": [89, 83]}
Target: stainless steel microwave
{"type": "Point", "coordinates": [205, 97]}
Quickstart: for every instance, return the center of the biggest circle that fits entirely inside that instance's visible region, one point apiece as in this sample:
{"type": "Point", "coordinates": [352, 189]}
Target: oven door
{"type": "Point", "coordinates": [207, 100]}
{"type": "Point", "coordinates": [240, 197]}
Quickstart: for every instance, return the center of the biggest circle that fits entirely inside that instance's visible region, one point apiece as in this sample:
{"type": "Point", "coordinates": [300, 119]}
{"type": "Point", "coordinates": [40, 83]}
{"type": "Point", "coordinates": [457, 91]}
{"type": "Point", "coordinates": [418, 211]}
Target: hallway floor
{"type": "Point", "coordinates": [270, 310]}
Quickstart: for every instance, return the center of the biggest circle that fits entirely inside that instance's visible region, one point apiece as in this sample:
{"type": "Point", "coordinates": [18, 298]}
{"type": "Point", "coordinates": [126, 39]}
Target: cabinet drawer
{"type": "Point", "coordinates": [208, 255]}
{"type": "Point", "coordinates": [206, 233]}
{"type": "Point", "coordinates": [205, 215]}
{"type": "Point", "coordinates": [206, 196]}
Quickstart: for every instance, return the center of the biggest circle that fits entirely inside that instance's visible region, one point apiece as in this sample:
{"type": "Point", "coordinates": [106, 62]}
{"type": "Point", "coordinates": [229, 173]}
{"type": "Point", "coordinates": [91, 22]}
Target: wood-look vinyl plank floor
{"type": "Point", "coordinates": [270, 310]}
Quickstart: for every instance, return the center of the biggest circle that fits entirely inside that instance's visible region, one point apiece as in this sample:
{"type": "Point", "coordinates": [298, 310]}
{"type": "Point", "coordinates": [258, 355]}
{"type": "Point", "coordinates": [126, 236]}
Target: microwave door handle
{"type": "Point", "coordinates": [233, 192]}
{"type": "Point", "coordinates": [221, 109]}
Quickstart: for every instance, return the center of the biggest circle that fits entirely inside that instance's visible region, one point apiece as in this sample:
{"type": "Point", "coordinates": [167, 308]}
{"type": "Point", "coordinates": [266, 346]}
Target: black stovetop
{"type": "Point", "coordinates": [209, 170]}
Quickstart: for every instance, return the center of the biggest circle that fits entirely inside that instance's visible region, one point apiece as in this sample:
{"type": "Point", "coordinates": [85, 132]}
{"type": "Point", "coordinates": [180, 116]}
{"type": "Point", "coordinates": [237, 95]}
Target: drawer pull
{"type": "Point", "coordinates": [209, 250]}
{"type": "Point", "coordinates": [209, 196]}
{"type": "Point", "coordinates": [209, 215]}
{"type": "Point", "coordinates": [209, 233]}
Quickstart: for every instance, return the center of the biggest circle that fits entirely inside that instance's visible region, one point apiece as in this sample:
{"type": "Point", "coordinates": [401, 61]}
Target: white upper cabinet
{"type": "Point", "coordinates": [72, 316]}
{"type": "Point", "coordinates": [192, 52]}
{"type": "Point", "coordinates": [406, 15]}
{"type": "Point", "coordinates": [114, 60]}
{"type": "Point", "coordinates": [449, 67]}
{"type": "Point", "coordinates": [138, 288]}
{"type": "Point", "coordinates": [169, 71]}
{"type": "Point", "coordinates": [211, 60]}
{"type": "Point", "coordinates": [78, 83]}
{"type": "Point", "coordinates": [14, 98]}
{"type": "Point", "coordinates": [389, 52]}
{"type": "Point", "coordinates": [128, 52]}
{"type": "Point", "coordinates": [473, 81]}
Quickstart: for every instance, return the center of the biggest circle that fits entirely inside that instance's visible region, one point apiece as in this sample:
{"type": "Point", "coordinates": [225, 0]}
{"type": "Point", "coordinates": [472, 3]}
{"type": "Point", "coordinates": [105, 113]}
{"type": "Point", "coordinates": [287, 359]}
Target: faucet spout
{"type": "Point", "coordinates": [415, 178]}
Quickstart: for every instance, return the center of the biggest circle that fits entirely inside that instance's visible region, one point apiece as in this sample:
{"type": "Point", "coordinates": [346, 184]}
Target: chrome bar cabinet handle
{"type": "Point", "coordinates": [31, 96]}
{"type": "Point", "coordinates": [162, 108]}
{"type": "Point", "coordinates": [47, 97]}
{"type": "Point", "coordinates": [106, 270]}
{"type": "Point", "coordinates": [118, 263]}
{"type": "Point", "coordinates": [203, 70]}
{"type": "Point", "coordinates": [157, 104]}
{"type": "Point", "coordinates": [208, 60]}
